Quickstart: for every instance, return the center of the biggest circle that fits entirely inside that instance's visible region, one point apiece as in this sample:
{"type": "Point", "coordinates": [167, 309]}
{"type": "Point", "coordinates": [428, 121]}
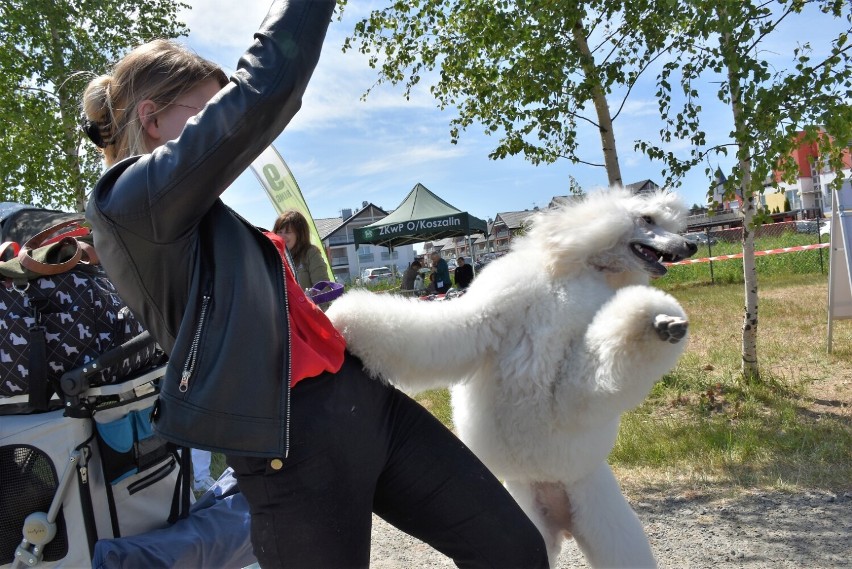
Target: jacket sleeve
{"type": "Point", "coordinates": [163, 195]}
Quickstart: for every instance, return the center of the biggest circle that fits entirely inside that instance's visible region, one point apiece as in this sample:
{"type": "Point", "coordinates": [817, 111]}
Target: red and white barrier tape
{"type": "Point", "coordinates": [756, 254]}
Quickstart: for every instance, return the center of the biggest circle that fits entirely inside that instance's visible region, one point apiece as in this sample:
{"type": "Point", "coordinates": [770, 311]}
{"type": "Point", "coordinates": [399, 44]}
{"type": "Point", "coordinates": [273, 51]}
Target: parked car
{"type": "Point", "coordinates": [807, 226]}
{"type": "Point", "coordinates": [701, 238]}
{"type": "Point", "coordinates": [375, 275]}
{"type": "Point", "coordinates": [486, 258]}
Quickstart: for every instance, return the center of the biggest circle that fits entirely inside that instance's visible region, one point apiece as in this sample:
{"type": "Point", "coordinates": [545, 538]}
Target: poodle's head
{"type": "Point", "coordinates": [613, 231]}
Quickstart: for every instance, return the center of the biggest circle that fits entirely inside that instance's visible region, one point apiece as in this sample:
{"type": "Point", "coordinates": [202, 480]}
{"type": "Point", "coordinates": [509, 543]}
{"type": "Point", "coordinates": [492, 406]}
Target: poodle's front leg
{"type": "Point", "coordinates": [632, 341]}
{"type": "Point", "coordinates": [413, 344]}
{"type": "Point", "coordinates": [606, 528]}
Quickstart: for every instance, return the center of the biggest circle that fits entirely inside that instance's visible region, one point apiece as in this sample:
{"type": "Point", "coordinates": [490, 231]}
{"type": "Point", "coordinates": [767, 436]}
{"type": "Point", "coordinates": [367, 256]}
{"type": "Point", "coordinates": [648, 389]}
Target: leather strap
{"type": "Point", "coordinates": [40, 389]}
{"type": "Point", "coordinates": [91, 256]}
{"type": "Point", "coordinates": [28, 262]}
{"type": "Point", "coordinates": [44, 237]}
{"type": "Point", "coordinates": [31, 264]}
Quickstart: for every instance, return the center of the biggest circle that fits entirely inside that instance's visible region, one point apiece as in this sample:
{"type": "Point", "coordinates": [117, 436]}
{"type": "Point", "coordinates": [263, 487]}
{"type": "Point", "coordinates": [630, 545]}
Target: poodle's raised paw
{"type": "Point", "coordinates": [670, 329]}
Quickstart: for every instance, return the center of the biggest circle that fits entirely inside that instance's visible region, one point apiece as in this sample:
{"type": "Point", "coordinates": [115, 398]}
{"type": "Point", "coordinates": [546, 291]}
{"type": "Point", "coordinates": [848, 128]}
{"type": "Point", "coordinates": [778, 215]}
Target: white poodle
{"type": "Point", "coordinates": [546, 350]}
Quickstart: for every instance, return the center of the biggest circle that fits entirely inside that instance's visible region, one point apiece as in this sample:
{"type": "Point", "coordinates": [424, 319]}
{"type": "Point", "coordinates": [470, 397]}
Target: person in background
{"type": "Point", "coordinates": [256, 370]}
{"type": "Point", "coordinates": [463, 274]}
{"type": "Point", "coordinates": [201, 470]}
{"type": "Point", "coordinates": [409, 276]}
{"type": "Point", "coordinates": [440, 274]}
{"type": "Point", "coordinates": [293, 227]}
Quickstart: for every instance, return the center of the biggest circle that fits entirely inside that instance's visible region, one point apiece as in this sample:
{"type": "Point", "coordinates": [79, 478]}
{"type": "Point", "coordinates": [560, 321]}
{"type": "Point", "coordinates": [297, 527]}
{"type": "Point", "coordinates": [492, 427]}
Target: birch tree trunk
{"type": "Point", "coordinates": [71, 138]}
{"type": "Point", "coordinates": [610, 154]}
{"type": "Point", "coordinates": [750, 368]}
{"type": "Point", "coordinates": [749, 337]}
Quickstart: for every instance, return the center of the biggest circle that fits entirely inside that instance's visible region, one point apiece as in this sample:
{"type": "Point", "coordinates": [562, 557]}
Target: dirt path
{"type": "Point", "coordinates": [755, 530]}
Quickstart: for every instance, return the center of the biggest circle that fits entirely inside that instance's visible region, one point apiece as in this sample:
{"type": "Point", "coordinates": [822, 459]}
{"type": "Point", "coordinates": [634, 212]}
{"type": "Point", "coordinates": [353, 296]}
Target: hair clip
{"type": "Point", "coordinates": [93, 131]}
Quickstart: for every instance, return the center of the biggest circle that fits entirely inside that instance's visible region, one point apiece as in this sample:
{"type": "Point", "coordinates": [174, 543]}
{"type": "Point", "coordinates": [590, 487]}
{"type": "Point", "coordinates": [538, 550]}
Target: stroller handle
{"type": "Point", "coordinates": [76, 381]}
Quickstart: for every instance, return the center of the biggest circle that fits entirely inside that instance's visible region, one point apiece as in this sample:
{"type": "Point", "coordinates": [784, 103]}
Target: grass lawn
{"type": "Point", "coordinates": [703, 426]}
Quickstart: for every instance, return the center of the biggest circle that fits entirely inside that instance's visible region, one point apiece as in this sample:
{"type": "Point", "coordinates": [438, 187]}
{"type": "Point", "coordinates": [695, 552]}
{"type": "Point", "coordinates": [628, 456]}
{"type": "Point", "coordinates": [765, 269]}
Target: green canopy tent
{"type": "Point", "coordinates": [422, 216]}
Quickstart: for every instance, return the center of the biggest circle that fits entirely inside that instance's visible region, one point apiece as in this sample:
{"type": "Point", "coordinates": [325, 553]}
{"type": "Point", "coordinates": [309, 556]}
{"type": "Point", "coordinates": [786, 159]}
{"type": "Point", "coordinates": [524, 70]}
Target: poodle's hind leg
{"type": "Point", "coordinates": [546, 504]}
{"type": "Point", "coordinates": [606, 528]}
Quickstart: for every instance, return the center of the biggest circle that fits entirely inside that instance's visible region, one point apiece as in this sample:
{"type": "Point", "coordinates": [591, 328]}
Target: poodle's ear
{"type": "Point", "coordinates": [573, 232]}
{"type": "Point", "coordinates": [668, 209]}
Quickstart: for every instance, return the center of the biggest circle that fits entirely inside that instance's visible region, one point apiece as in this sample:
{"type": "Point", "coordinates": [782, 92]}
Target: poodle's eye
{"type": "Point", "coordinates": [648, 219]}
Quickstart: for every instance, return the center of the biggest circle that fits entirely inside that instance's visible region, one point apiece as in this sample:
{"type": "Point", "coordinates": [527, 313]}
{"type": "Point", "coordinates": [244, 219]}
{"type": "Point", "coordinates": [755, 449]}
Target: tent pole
{"type": "Point", "coordinates": [472, 254]}
{"type": "Point", "coordinates": [357, 278]}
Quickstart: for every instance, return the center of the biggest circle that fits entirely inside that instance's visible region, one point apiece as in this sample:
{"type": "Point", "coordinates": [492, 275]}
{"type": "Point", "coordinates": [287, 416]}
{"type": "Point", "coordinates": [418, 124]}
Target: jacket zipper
{"type": "Point", "coordinates": [192, 356]}
{"type": "Point", "coordinates": [289, 342]}
{"type": "Point", "coordinates": [289, 366]}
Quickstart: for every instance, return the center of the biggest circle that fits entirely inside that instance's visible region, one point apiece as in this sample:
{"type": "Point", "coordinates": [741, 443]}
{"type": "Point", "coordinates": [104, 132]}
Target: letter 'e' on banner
{"type": "Point", "coordinates": [283, 191]}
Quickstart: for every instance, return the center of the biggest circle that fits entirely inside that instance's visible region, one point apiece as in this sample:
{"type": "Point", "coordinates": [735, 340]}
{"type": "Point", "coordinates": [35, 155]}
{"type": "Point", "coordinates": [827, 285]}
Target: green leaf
{"type": "Point", "coordinates": [48, 53]}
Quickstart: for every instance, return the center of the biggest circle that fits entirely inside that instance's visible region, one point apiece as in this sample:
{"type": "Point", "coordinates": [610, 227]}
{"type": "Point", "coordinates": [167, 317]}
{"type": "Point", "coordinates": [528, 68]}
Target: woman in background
{"type": "Point", "coordinates": [293, 228]}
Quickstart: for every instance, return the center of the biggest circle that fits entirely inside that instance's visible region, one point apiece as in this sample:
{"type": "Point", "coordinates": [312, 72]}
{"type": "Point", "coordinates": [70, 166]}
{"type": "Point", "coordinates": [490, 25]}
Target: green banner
{"type": "Point", "coordinates": [378, 233]}
{"type": "Point", "coordinates": [284, 193]}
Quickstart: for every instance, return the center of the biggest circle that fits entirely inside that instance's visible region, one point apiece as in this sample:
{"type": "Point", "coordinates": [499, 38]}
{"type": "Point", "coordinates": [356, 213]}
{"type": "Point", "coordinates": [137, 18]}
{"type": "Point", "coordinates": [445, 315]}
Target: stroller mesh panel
{"type": "Point", "coordinates": [28, 484]}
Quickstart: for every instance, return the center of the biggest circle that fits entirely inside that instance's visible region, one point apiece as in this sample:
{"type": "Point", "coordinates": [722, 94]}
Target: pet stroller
{"type": "Point", "coordinates": [87, 468]}
{"type": "Point", "coordinates": [80, 467]}
{"type": "Point", "coordinates": [87, 484]}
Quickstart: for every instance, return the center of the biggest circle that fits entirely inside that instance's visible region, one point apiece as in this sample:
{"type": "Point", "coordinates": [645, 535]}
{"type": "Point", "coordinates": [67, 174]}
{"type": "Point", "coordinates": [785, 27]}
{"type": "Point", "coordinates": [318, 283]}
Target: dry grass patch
{"type": "Point", "coordinates": [704, 425]}
{"type": "Point", "coordinates": [704, 429]}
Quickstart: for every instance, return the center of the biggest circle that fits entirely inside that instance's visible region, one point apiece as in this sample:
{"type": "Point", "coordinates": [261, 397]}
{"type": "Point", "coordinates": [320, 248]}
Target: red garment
{"type": "Point", "coordinates": [315, 345]}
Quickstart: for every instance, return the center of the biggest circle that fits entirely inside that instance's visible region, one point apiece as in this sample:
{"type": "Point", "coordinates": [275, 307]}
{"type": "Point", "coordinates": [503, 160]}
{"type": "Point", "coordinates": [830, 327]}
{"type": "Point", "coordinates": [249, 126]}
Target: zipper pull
{"type": "Point", "coordinates": [184, 381]}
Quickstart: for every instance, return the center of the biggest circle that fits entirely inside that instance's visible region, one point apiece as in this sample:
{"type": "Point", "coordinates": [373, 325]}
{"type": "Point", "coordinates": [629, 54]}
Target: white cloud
{"type": "Point", "coordinates": [221, 30]}
{"type": "Point", "coordinates": [635, 107]}
{"type": "Point", "coordinates": [225, 24]}
{"type": "Point", "coordinates": [408, 158]}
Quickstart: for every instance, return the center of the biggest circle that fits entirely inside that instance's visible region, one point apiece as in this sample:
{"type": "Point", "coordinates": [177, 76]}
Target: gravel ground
{"type": "Point", "coordinates": [755, 530]}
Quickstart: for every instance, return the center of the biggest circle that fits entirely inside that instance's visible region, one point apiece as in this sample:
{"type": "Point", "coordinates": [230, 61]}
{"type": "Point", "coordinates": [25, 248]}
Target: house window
{"type": "Point", "coordinates": [794, 199]}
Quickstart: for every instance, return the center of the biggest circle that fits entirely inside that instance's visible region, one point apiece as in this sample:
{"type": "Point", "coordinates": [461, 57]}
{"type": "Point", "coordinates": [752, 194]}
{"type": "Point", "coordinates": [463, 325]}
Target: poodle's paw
{"type": "Point", "coordinates": [671, 329]}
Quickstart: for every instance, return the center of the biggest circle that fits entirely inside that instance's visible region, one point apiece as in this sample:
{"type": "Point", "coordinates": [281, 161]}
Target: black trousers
{"type": "Point", "coordinates": [358, 446]}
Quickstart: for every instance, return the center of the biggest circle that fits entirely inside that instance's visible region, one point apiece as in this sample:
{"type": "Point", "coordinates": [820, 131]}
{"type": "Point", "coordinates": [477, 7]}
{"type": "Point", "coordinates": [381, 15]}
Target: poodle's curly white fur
{"type": "Point", "coordinates": [548, 347]}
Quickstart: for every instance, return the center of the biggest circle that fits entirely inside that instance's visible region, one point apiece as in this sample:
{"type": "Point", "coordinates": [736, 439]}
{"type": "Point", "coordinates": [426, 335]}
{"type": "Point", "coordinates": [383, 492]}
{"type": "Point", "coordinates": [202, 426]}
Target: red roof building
{"type": "Point", "coordinates": [811, 187]}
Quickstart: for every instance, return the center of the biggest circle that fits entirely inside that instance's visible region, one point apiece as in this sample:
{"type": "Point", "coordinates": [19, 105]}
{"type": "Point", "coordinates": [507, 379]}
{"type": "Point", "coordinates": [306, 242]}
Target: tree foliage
{"type": "Point", "coordinates": [770, 107]}
{"type": "Point", "coordinates": [48, 53]}
{"type": "Point", "coordinates": [527, 71]}
{"type": "Point", "coordinates": [729, 41]}
{"type": "Point", "coordinates": [530, 71]}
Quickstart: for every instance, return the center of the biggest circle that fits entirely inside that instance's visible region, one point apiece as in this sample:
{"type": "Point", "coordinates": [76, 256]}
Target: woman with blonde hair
{"type": "Point", "coordinates": [256, 371]}
{"type": "Point", "coordinates": [293, 228]}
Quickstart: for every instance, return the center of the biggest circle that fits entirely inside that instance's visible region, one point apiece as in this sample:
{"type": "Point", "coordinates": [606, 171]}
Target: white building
{"type": "Point", "coordinates": [811, 188]}
{"type": "Point", "coordinates": [338, 239]}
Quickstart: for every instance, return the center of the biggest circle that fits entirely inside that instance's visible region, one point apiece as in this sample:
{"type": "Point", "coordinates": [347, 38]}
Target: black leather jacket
{"type": "Point", "coordinates": [206, 283]}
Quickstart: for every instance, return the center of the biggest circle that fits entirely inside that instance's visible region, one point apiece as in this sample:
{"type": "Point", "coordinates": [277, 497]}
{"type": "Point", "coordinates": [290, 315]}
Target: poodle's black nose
{"type": "Point", "coordinates": [692, 247]}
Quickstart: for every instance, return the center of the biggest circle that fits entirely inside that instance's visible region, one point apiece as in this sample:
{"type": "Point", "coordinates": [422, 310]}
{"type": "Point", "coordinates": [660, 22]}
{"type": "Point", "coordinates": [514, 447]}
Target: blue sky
{"type": "Point", "coordinates": [344, 151]}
